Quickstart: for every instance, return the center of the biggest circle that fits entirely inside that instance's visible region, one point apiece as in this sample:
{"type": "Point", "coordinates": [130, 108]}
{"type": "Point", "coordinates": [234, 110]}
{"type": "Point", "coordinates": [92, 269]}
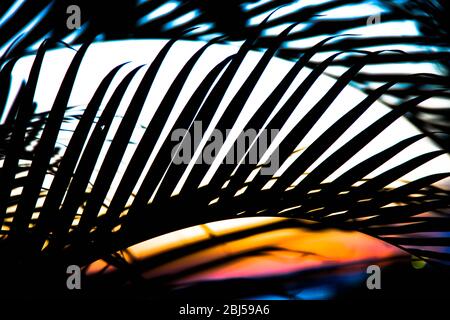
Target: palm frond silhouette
{"type": "Point", "coordinates": [53, 212]}
{"type": "Point", "coordinates": [427, 45]}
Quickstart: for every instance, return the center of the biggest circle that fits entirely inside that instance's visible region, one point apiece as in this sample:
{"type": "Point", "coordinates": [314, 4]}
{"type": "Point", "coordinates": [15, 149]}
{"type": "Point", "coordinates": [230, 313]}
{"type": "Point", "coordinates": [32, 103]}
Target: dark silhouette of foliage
{"type": "Point", "coordinates": [53, 241]}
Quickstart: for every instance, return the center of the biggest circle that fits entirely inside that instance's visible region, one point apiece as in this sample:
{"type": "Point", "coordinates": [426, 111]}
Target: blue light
{"type": "Point", "coordinates": [183, 19]}
{"type": "Point", "coordinates": [32, 24]}
{"type": "Point", "coordinates": [10, 12]}
{"type": "Point", "coordinates": [316, 293]}
{"type": "Point", "coordinates": [159, 12]}
{"type": "Point", "coordinates": [76, 33]}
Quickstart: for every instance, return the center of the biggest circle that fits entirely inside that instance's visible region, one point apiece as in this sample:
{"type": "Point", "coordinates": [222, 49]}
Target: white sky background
{"type": "Point", "coordinates": [102, 57]}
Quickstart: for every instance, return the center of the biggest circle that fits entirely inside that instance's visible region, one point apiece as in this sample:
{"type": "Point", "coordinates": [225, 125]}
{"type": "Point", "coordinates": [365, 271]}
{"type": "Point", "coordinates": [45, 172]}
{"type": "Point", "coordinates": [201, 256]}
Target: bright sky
{"type": "Point", "coordinates": [102, 57]}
